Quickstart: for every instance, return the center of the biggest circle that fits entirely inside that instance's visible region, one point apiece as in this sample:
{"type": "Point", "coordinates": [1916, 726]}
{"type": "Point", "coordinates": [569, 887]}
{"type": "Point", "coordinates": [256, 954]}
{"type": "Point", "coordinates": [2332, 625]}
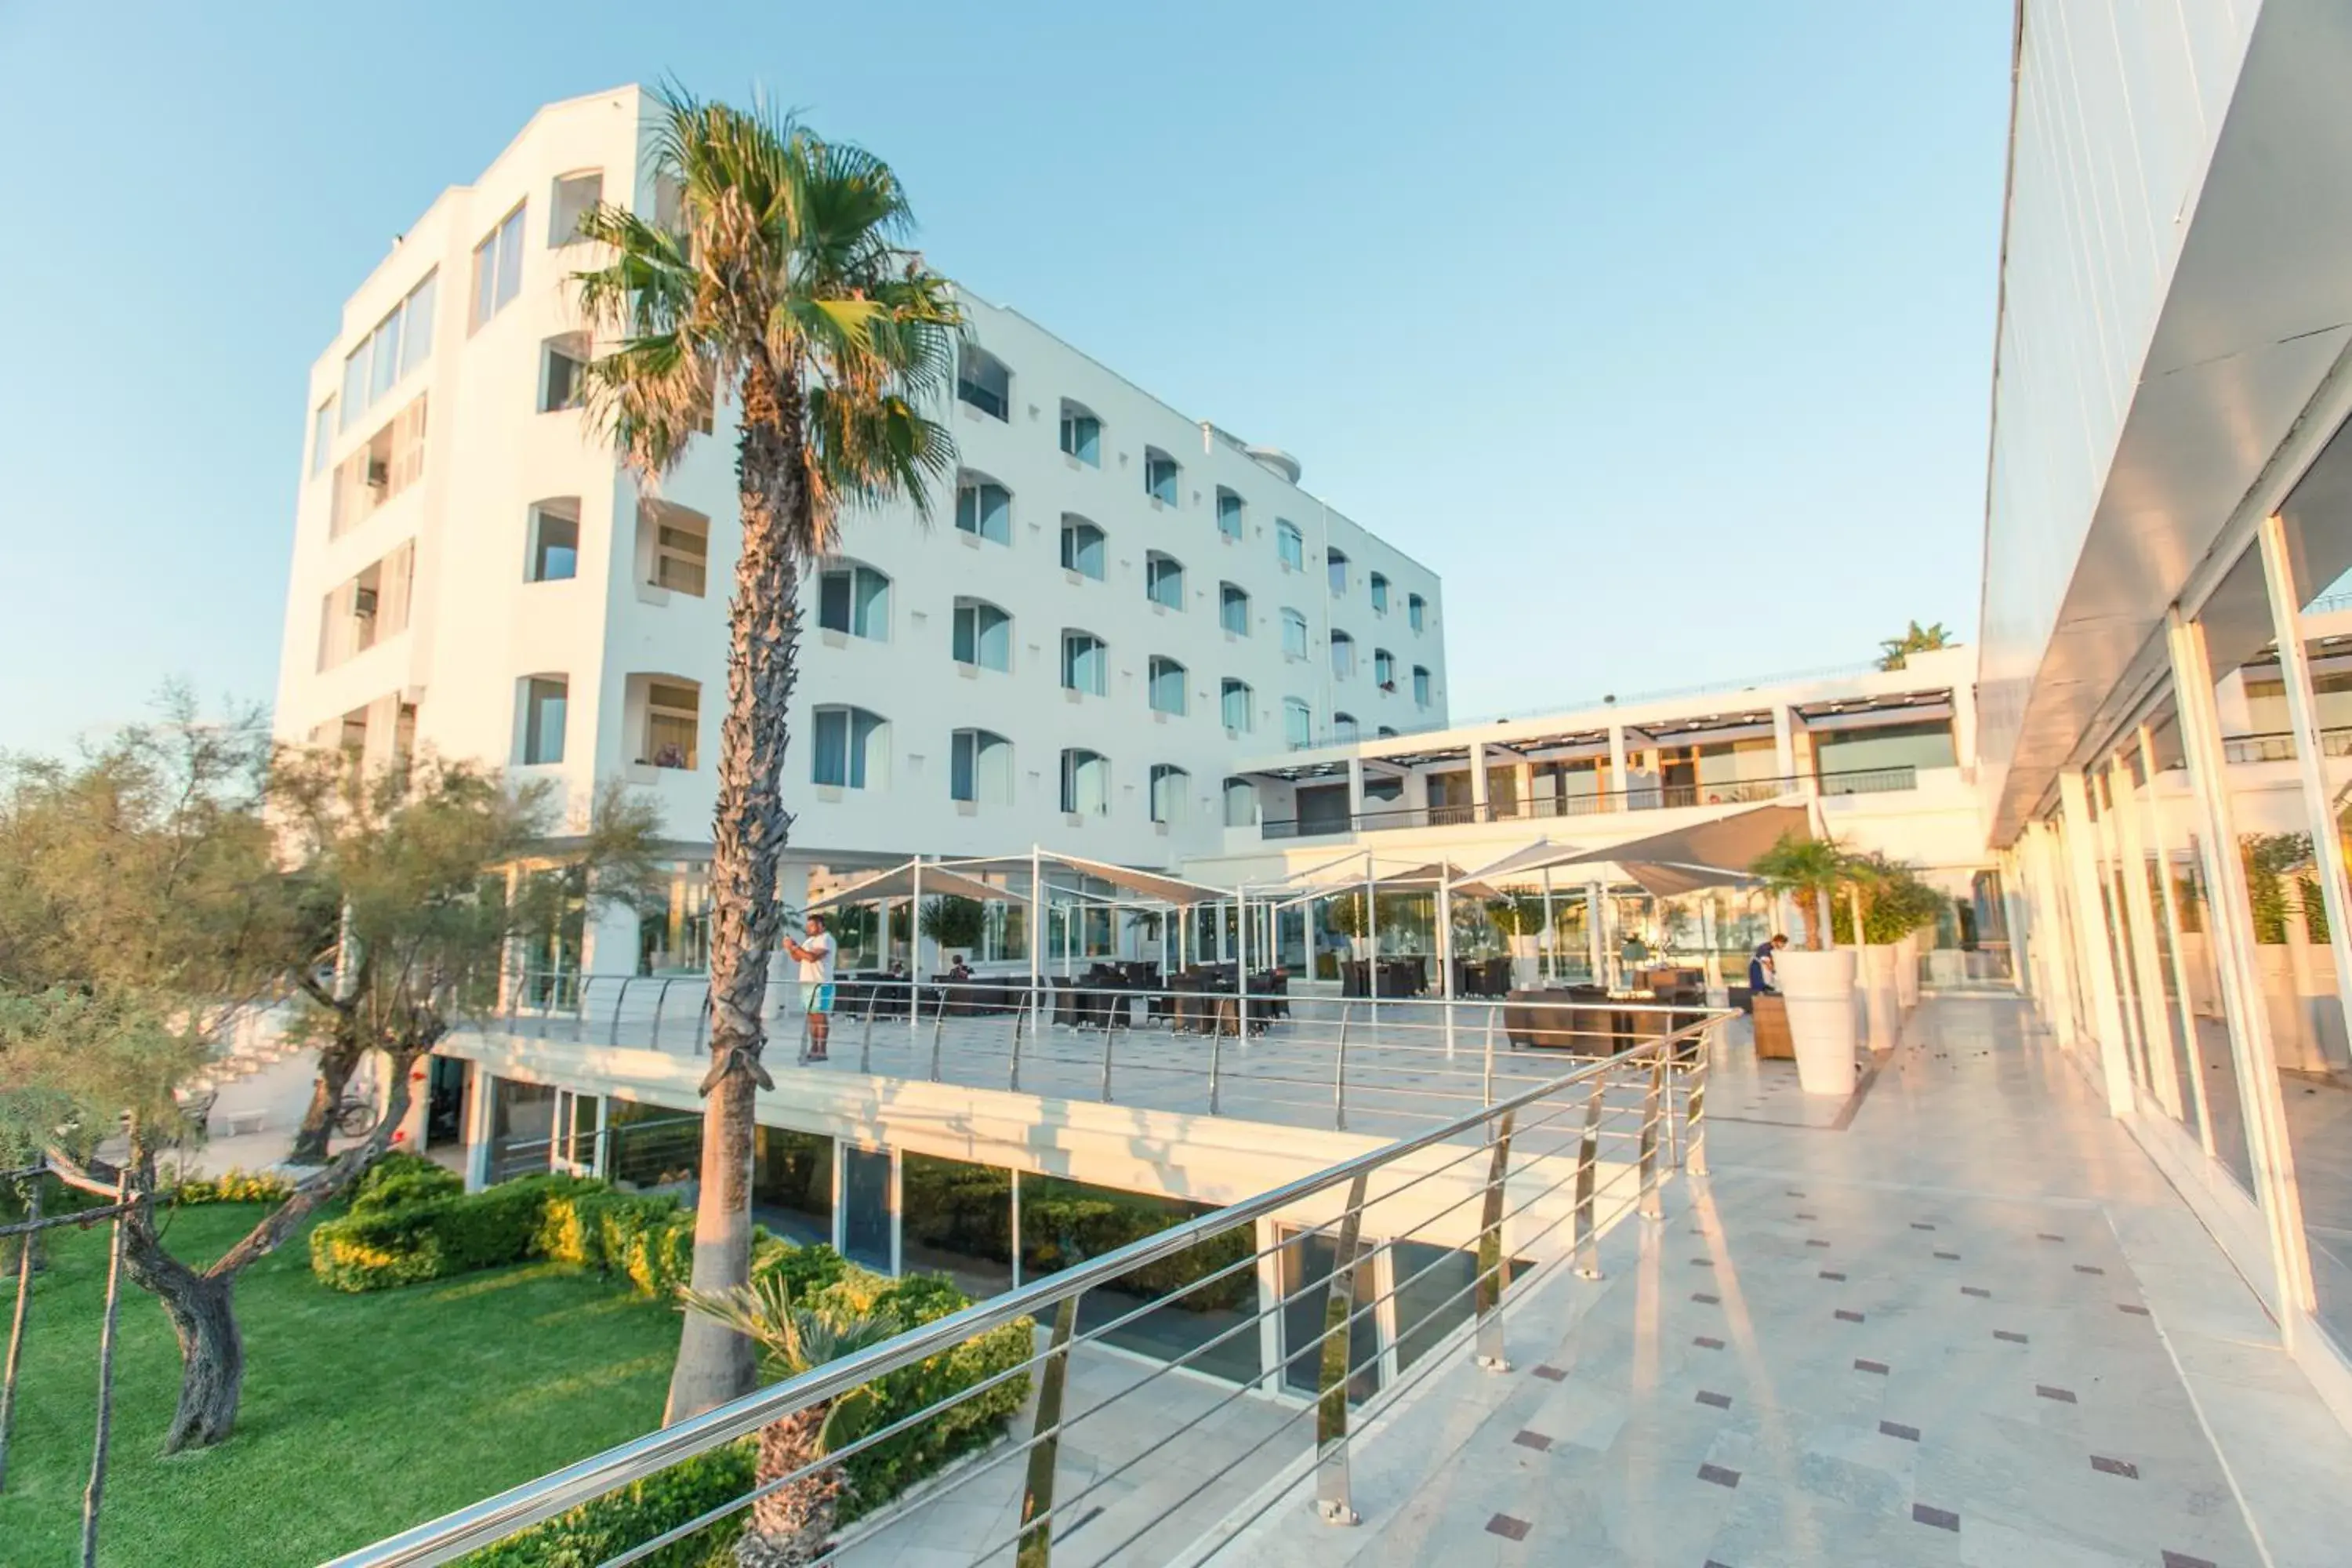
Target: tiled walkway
{"type": "Point", "coordinates": [1953, 1331]}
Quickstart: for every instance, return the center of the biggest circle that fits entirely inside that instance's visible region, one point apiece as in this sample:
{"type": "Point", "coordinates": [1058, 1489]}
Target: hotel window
{"type": "Point", "coordinates": [554, 548]}
{"type": "Point", "coordinates": [1343, 655]}
{"type": "Point", "coordinates": [1380, 586]}
{"type": "Point", "coordinates": [1085, 664]}
{"type": "Point", "coordinates": [1233, 609]}
{"type": "Point", "coordinates": [400, 342]}
{"type": "Point", "coordinates": [982, 634]}
{"type": "Point", "coordinates": [1163, 580]}
{"type": "Point", "coordinates": [1234, 706]}
{"type": "Point", "coordinates": [563, 365]}
{"type": "Point", "coordinates": [1082, 547]}
{"type": "Point", "coordinates": [498, 268]}
{"type": "Point", "coordinates": [1294, 635]}
{"type": "Point", "coordinates": [980, 768]}
{"type": "Point", "coordinates": [1289, 545]}
{"type": "Point", "coordinates": [1420, 687]}
{"type": "Point", "coordinates": [1085, 783]}
{"type": "Point", "coordinates": [1229, 514]}
{"type": "Point", "coordinates": [853, 748]}
{"type": "Point", "coordinates": [1335, 566]}
{"type": "Point", "coordinates": [545, 700]}
{"type": "Point", "coordinates": [983, 381]}
{"type": "Point", "coordinates": [984, 508]}
{"type": "Point", "coordinates": [673, 715]}
{"type": "Point", "coordinates": [577, 197]}
{"type": "Point", "coordinates": [1416, 610]}
{"type": "Point", "coordinates": [1167, 687]}
{"type": "Point", "coordinates": [1169, 785]}
{"type": "Point", "coordinates": [678, 555]}
{"type": "Point", "coordinates": [855, 600]}
{"type": "Point", "coordinates": [1297, 724]}
{"type": "Point", "coordinates": [1081, 433]}
{"type": "Point", "coordinates": [1160, 473]}
{"type": "Point", "coordinates": [1240, 803]}
{"type": "Point", "coordinates": [1343, 728]}
{"type": "Point", "coordinates": [1386, 732]}
{"type": "Point", "coordinates": [322, 437]}
{"type": "Point", "coordinates": [1383, 669]}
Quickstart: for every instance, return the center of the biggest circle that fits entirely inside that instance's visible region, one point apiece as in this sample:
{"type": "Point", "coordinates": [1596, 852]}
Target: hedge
{"type": "Point", "coordinates": [1065, 1223]}
{"type": "Point", "coordinates": [373, 1249]}
{"type": "Point", "coordinates": [596, 1531]}
{"type": "Point", "coordinates": [234, 1186]}
{"type": "Point", "coordinates": [397, 1180]}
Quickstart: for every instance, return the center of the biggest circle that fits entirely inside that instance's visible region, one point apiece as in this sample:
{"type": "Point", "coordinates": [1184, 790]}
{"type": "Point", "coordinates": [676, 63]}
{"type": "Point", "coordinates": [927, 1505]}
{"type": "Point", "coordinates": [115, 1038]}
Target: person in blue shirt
{"type": "Point", "coordinates": [1763, 975]}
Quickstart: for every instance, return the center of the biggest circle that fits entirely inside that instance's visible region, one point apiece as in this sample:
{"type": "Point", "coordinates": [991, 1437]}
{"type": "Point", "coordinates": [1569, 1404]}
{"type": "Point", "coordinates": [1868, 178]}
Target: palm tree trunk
{"type": "Point", "coordinates": [747, 833]}
{"type": "Point", "coordinates": [792, 1525]}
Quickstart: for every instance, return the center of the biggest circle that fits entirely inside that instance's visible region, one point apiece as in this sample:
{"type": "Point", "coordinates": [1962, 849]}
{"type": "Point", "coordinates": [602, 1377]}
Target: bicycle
{"type": "Point", "coordinates": [355, 1114]}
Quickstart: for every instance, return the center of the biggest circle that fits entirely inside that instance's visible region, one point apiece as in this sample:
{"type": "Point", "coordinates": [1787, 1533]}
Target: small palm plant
{"type": "Point", "coordinates": [1812, 869]}
{"type": "Point", "coordinates": [794, 1525]}
{"type": "Point", "coordinates": [1895, 652]}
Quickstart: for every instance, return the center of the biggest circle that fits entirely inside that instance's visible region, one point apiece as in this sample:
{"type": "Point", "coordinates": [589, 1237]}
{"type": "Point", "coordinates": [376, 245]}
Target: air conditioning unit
{"type": "Point", "coordinates": [379, 473]}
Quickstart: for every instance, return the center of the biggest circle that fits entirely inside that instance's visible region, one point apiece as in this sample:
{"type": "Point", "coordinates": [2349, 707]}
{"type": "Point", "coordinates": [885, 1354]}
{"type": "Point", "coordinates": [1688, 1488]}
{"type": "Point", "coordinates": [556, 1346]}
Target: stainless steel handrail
{"type": "Point", "coordinates": [519, 1508]}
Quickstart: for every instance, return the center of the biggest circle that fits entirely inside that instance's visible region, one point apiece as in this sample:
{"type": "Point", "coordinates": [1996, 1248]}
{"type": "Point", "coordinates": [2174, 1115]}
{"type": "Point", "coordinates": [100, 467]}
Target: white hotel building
{"type": "Point", "coordinates": [1116, 604]}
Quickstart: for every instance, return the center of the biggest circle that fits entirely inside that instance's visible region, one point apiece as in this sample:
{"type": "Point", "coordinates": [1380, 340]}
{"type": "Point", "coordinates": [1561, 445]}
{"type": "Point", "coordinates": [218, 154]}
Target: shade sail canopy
{"type": "Point", "coordinates": [1153, 885]}
{"type": "Point", "coordinates": [899, 882]}
{"type": "Point", "coordinates": [1712, 853]}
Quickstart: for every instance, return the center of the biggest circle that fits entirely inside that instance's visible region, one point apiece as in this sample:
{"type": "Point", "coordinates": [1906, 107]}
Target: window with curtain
{"type": "Point", "coordinates": [984, 508]}
{"type": "Point", "coordinates": [855, 600]}
{"type": "Point", "coordinates": [1298, 724]}
{"type": "Point", "coordinates": [982, 634]}
{"type": "Point", "coordinates": [1081, 433]}
{"type": "Point", "coordinates": [1234, 706]}
{"type": "Point", "coordinates": [545, 698]}
{"type": "Point", "coordinates": [673, 714]}
{"type": "Point", "coordinates": [1233, 609]}
{"type": "Point", "coordinates": [1420, 687]}
{"type": "Point", "coordinates": [1085, 663]}
{"type": "Point", "coordinates": [1384, 669]}
{"type": "Point", "coordinates": [1343, 728]}
{"type": "Point", "coordinates": [1163, 580]}
{"type": "Point", "coordinates": [1082, 547]}
{"type": "Point", "coordinates": [852, 749]}
{"type": "Point", "coordinates": [1167, 686]}
{"type": "Point", "coordinates": [1085, 783]}
{"type": "Point", "coordinates": [1229, 514]}
{"type": "Point", "coordinates": [1343, 655]}
{"type": "Point", "coordinates": [1416, 610]}
{"type": "Point", "coordinates": [980, 768]}
{"type": "Point", "coordinates": [1290, 544]}
{"type": "Point", "coordinates": [498, 268]}
{"type": "Point", "coordinates": [1161, 476]}
{"type": "Point", "coordinates": [1380, 586]}
{"type": "Point", "coordinates": [983, 382]}
{"type": "Point", "coordinates": [1169, 785]}
{"type": "Point", "coordinates": [1240, 803]}
{"type": "Point", "coordinates": [1294, 635]}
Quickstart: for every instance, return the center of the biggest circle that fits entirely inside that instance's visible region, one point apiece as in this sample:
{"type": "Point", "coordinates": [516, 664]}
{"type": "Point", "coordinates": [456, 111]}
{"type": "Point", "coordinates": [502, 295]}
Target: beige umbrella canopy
{"type": "Point", "coordinates": [899, 882]}
{"type": "Point", "coordinates": [1713, 854]}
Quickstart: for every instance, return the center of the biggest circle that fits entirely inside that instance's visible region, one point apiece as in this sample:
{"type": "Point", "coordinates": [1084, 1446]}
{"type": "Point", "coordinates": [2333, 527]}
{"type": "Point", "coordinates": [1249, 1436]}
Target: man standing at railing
{"type": "Point", "coordinates": [815, 957]}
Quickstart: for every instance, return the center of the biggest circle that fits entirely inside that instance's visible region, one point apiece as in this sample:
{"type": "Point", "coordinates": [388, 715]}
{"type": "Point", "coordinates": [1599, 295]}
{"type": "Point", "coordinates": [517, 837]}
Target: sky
{"type": "Point", "coordinates": [1662, 332]}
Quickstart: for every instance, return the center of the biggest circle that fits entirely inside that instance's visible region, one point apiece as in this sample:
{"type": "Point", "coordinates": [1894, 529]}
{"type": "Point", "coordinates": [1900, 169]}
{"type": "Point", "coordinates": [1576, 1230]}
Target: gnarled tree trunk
{"type": "Point", "coordinates": [337, 1061]}
{"type": "Point", "coordinates": [792, 1525]}
{"type": "Point", "coordinates": [203, 1319]}
{"type": "Point", "coordinates": [747, 833]}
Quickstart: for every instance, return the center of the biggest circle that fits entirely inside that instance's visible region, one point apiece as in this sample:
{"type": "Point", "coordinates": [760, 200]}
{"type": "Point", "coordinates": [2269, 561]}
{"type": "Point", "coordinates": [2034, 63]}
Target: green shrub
{"type": "Point", "coordinates": [647, 1239]}
{"type": "Point", "coordinates": [596, 1531]}
{"type": "Point", "coordinates": [1063, 1224]}
{"type": "Point", "coordinates": [377, 1248]}
{"type": "Point", "coordinates": [397, 1180]}
{"type": "Point", "coordinates": [234, 1186]}
{"type": "Point", "coordinates": [807, 1270]}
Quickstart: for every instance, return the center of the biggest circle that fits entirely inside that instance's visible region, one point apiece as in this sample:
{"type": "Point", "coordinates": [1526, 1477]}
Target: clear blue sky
{"type": "Point", "coordinates": [1662, 331]}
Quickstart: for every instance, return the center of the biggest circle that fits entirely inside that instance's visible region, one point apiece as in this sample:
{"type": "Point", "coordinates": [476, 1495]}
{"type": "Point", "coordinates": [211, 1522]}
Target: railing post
{"type": "Point", "coordinates": [1018, 1014]}
{"type": "Point", "coordinates": [866, 1042]}
{"type": "Point", "coordinates": [1695, 1103]}
{"type": "Point", "coordinates": [939, 1029]}
{"type": "Point", "coordinates": [1487, 1088]}
{"type": "Point", "coordinates": [1650, 1206]}
{"type": "Point", "coordinates": [1587, 1156]}
{"type": "Point", "coordinates": [1332, 1503]}
{"type": "Point", "coordinates": [1036, 1548]}
{"type": "Point", "coordinates": [1107, 1037]}
{"type": "Point", "coordinates": [1494, 1268]}
{"type": "Point", "coordinates": [579, 1008]}
{"type": "Point", "coordinates": [702, 1019]}
{"type": "Point", "coordinates": [1340, 1073]}
{"type": "Point", "coordinates": [661, 997]}
{"type": "Point", "coordinates": [613, 1035]}
{"type": "Point", "coordinates": [1216, 1061]}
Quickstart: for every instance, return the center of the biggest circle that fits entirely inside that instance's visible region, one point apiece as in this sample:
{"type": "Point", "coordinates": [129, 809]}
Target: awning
{"type": "Point", "coordinates": [899, 883]}
{"type": "Point", "coordinates": [1713, 854]}
{"type": "Point", "coordinates": [1153, 885]}
{"type": "Point", "coordinates": [1429, 876]}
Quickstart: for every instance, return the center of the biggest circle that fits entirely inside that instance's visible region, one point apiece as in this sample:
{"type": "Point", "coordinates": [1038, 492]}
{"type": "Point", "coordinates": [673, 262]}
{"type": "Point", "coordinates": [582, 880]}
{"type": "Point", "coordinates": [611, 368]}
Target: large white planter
{"type": "Point", "coordinates": [1906, 969]}
{"type": "Point", "coordinates": [1818, 989]}
{"type": "Point", "coordinates": [1881, 995]}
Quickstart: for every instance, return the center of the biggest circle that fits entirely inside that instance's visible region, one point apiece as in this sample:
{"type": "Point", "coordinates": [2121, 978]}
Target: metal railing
{"type": "Point", "coordinates": [1640, 797]}
{"type": "Point", "coordinates": [2278, 745]}
{"type": "Point", "coordinates": [1377, 1064]}
{"type": "Point", "coordinates": [1432, 1236]}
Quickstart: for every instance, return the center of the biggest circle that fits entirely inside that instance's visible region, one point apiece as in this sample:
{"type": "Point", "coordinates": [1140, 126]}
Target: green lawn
{"type": "Point", "coordinates": [361, 1414]}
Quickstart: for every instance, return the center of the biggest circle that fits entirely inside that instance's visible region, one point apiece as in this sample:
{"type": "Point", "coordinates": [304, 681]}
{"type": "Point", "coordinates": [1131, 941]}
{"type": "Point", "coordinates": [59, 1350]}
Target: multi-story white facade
{"type": "Point", "coordinates": [1115, 604]}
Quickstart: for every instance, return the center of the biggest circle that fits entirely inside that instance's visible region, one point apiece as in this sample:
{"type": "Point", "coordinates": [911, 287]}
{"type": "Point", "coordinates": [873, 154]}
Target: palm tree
{"type": "Point", "coordinates": [1815, 869]}
{"type": "Point", "coordinates": [794, 1523]}
{"type": "Point", "coordinates": [1916, 638]}
{"type": "Point", "coordinates": [782, 279]}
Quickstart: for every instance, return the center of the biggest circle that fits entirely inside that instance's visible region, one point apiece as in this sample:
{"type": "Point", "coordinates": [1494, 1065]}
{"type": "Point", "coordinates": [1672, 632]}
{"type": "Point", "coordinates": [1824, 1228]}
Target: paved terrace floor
{"type": "Point", "coordinates": [1963, 1322]}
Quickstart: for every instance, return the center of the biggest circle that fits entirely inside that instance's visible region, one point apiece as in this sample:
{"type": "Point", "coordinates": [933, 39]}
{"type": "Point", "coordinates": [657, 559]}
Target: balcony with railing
{"type": "Point", "coordinates": [1642, 797]}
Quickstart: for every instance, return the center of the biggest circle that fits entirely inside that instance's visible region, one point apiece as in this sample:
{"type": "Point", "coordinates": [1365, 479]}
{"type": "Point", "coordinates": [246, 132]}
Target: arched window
{"type": "Point", "coordinates": [1297, 724]}
{"type": "Point", "coordinates": [1161, 475]}
{"type": "Point", "coordinates": [1082, 547]}
{"type": "Point", "coordinates": [980, 768]}
{"type": "Point", "coordinates": [545, 702]}
{"type": "Point", "coordinates": [1233, 609]}
{"type": "Point", "coordinates": [1167, 684]}
{"type": "Point", "coordinates": [1294, 633]}
{"type": "Point", "coordinates": [1416, 610]}
{"type": "Point", "coordinates": [1229, 514]}
{"type": "Point", "coordinates": [852, 750]}
{"type": "Point", "coordinates": [1240, 803]}
{"type": "Point", "coordinates": [1081, 433]}
{"type": "Point", "coordinates": [854, 600]}
{"type": "Point", "coordinates": [1343, 655]}
{"type": "Point", "coordinates": [1384, 669]}
{"type": "Point", "coordinates": [1343, 728]}
{"type": "Point", "coordinates": [1386, 732]}
{"type": "Point", "coordinates": [673, 547]}
{"type": "Point", "coordinates": [984, 507]}
{"type": "Point", "coordinates": [982, 634]}
{"type": "Point", "coordinates": [1289, 545]}
{"type": "Point", "coordinates": [1420, 687]}
{"type": "Point", "coordinates": [1234, 706]}
{"type": "Point", "coordinates": [1085, 783]}
{"type": "Point", "coordinates": [551, 552]}
{"type": "Point", "coordinates": [1380, 586]}
{"type": "Point", "coordinates": [983, 381]}
{"type": "Point", "coordinates": [1085, 663]}
{"type": "Point", "coordinates": [1170, 785]}
{"type": "Point", "coordinates": [1335, 565]}
{"type": "Point", "coordinates": [1163, 580]}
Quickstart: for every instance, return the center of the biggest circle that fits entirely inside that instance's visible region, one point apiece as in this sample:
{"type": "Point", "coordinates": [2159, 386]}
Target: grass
{"type": "Point", "coordinates": [361, 1414]}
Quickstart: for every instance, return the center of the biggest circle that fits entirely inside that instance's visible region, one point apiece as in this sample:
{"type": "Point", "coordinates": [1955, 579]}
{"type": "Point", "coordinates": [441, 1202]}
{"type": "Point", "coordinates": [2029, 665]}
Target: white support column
{"type": "Point", "coordinates": [2311, 765]}
{"type": "Point", "coordinates": [1478, 781]}
{"type": "Point", "coordinates": [1618, 783]}
{"type": "Point", "coordinates": [2160, 843]}
{"type": "Point", "coordinates": [1445, 952]}
{"type": "Point", "coordinates": [1355, 791]}
{"type": "Point", "coordinates": [478, 1128]}
{"type": "Point", "coordinates": [2155, 1026]}
{"type": "Point", "coordinates": [2091, 943]}
{"type": "Point", "coordinates": [2230, 926]}
{"type": "Point", "coordinates": [1596, 907]}
{"type": "Point", "coordinates": [1784, 744]}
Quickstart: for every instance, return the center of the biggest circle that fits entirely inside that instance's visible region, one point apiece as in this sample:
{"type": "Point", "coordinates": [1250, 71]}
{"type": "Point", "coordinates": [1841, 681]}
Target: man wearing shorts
{"type": "Point", "coordinates": [815, 957]}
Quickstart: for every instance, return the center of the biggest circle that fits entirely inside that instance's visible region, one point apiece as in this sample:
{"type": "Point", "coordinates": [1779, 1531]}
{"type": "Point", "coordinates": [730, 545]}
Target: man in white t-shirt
{"type": "Point", "coordinates": [815, 957]}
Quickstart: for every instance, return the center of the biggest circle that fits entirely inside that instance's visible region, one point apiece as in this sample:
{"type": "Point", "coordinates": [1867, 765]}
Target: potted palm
{"type": "Point", "coordinates": [955, 925]}
{"type": "Point", "coordinates": [1816, 982]}
{"type": "Point", "coordinates": [795, 1523]}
